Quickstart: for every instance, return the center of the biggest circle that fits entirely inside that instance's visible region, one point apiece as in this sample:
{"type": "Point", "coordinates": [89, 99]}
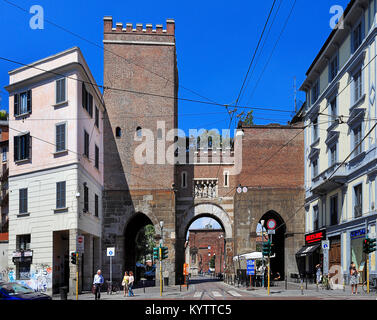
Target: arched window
{"type": "Point", "coordinates": [209, 142]}
{"type": "Point", "coordinates": [138, 131]}
{"type": "Point", "coordinates": [118, 132]}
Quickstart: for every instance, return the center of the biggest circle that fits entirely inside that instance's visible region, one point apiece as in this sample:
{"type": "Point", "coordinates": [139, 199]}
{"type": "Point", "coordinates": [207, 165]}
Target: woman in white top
{"type": "Point", "coordinates": [130, 284]}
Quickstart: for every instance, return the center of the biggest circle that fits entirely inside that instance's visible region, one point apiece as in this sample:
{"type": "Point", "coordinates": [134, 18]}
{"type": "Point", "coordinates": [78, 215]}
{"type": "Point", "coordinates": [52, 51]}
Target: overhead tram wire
{"type": "Point", "coordinates": [143, 93]}
{"type": "Point", "coordinates": [245, 78]}
{"type": "Point", "coordinates": [273, 50]}
{"type": "Point", "coordinates": [103, 48]}
{"type": "Point", "coordinates": [339, 166]}
{"type": "Point", "coordinates": [264, 43]}
{"type": "Point", "coordinates": [255, 52]}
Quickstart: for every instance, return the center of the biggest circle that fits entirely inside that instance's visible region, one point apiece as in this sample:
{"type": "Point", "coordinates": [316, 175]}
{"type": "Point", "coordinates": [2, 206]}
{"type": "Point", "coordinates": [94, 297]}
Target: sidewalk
{"type": "Point", "coordinates": [309, 290]}
{"type": "Point", "coordinates": [169, 292]}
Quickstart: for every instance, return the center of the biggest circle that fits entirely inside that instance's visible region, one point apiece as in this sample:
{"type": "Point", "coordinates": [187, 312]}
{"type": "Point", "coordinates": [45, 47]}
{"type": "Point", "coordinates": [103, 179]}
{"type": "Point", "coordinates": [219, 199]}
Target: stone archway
{"type": "Point", "coordinates": [206, 210]}
{"type": "Point", "coordinates": [195, 212]}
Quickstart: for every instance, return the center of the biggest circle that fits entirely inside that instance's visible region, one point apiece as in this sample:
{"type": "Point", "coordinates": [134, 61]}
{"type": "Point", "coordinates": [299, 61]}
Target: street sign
{"type": "Point", "coordinates": [111, 252]}
{"type": "Point", "coordinates": [80, 243]}
{"type": "Point", "coordinates": [325, 244]}
{"type": "Point", "coordinates": [271, 231]}
{"type": "Point", "coordinates": [271, 224]}
{"type": "Point", "coordinates": [250, 264]}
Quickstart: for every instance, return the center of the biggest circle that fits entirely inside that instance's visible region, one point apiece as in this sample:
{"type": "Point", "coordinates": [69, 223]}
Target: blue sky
{"type": "Point", "coordinates": [215, 43]}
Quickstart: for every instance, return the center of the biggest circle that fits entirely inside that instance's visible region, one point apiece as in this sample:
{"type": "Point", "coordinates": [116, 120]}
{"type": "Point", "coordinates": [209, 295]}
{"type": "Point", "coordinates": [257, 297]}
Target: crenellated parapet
{"type": "Point", "coordinates": [138, 28]}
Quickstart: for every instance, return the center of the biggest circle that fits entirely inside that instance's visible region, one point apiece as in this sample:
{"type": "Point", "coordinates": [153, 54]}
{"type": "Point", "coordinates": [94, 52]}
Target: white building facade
{"type": "Point", "coordinates": [340, 145]}
{"type": "Point", "coordinates": [55, 172]}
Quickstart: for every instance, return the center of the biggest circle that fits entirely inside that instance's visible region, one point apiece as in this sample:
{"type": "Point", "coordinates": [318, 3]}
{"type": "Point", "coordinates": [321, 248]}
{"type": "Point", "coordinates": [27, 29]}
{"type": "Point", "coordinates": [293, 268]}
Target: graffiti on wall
{"type": "Point", "coordinates": [39, 278]}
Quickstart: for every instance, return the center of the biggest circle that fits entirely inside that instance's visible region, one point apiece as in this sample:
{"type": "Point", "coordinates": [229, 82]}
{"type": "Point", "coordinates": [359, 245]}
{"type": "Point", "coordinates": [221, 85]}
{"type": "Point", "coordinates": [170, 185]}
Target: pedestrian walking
{"type": "Point", "coordinates": [354, 278]}
{"type": "Point", "coordinates": [318, 273]}
{"type": "Point", "coordinates": [97, 282]}
{"type": "Point", "coordinates": [125, 281]}
{"type": "Point", "coordinates": [130, 284]}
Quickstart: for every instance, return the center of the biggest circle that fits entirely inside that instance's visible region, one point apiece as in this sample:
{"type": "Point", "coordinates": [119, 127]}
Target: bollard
{"type": "Point", "coordinates": [306, 282]}
{"type": "Point", "coordinates": [286, 282]}
{"type": "Point", "coordinates": [302, 286]}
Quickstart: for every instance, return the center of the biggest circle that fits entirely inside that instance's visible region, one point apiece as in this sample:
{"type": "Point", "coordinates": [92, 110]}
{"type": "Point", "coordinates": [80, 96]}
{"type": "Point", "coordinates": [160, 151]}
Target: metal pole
{"type": "Point", "coordinates": [160, 271]}
{"type": "Point", "coordinates": [111, 276]}
{"type": "Point", "coordinates": [77, 275]}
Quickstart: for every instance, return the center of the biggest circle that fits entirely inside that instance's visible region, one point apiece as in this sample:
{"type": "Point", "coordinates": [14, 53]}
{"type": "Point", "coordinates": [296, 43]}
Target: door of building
{"type": "Point", "coordinates": [334, 258]}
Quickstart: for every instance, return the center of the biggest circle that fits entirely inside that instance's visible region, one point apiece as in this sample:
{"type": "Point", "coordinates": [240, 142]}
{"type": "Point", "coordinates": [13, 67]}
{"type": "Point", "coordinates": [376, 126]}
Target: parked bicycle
{"type": "Point", "coordinates": [112, 287]}
{"type": "Point", "coordinates": [372, 285]}
{"type": "Point", "coordinates": [325, 284]}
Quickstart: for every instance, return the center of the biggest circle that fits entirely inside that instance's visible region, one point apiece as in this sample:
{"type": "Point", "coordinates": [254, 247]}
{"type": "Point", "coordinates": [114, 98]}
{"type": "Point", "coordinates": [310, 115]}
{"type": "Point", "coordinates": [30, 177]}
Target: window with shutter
{"type": "Point", "coordinates": [97, 117]}
{"type": "Point", "coordinates": [29, 101]}
{"type": "Point", "coordinates": [16, 105]}
{"type": "Point", "coordinates": [23, 200]}
{"type": "Point", "coordinates": [86, 144]}
{"type": "Point", "coordinates": [96, 205]}
{"type": "Point", "coordinates": [60, 90]}
{"type": "Point", "coordinates": [22, 146]}
{"type": "Point", "coordinates": [96, 160]}
{"type": "Point", "coordinates": [60, 137]}
{"type": "Point", "coordinates": [60, 194]}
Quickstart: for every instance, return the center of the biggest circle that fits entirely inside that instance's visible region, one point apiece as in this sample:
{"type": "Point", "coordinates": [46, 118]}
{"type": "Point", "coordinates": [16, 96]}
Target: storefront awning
{"type": "Point", "coordinates": [307, 250]}
{"type": "Point", "coordinates": [249, 256]}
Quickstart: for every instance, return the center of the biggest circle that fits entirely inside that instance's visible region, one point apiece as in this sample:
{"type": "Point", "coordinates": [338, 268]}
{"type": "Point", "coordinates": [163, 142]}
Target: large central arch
{"type": "Point", "coordinates": [206, 210]}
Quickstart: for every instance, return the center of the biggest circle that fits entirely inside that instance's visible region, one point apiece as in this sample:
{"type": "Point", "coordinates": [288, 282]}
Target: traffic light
{"type": "Point", "coordinates": [155, 253]}
{"type": "Point", "coordinates": [164, 253]}
{"type": "Point", "coordinates": [372, 245]}
{"type": "Point", "coordinates": [266, 249]}
{"type": "Point", "coordinates": [366, 246]}
{"type": "Point", "coordinates": [73, 257]}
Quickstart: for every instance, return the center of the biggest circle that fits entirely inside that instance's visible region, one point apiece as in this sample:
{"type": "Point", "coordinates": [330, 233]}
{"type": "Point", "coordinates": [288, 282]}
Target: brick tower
{"type": "Point", "coordinates": [141, 84]}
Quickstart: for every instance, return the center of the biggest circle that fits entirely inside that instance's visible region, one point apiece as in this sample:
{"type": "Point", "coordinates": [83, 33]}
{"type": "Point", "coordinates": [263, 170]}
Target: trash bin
{"type": "Point", "coordinates": [63, 293]}
{"type": "Point", "coordinates": [166, 281]}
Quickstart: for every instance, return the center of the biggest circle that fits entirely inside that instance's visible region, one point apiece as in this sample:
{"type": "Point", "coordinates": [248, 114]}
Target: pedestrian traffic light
{"type": "Point", "coordinates": [155, 253]}
{"type": "Point", "coordinates": [266, 248]}
{"type": "Point", "coordinates": [372, 245]}
{"type": "Point", "coordinates": [164, 253]}
{"type": "Point", "coordinates": [73, 257]}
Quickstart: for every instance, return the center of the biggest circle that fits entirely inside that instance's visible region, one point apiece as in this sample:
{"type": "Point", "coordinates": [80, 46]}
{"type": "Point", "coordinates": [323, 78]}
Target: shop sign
{"type": "Point", "coordinates": [358, 234]}
{"type": "Point", "coordinates": [315, 237]}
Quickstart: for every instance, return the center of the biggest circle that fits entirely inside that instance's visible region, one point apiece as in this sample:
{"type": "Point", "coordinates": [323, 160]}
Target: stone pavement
{"type": "Point", "coordinates": [177, 292]}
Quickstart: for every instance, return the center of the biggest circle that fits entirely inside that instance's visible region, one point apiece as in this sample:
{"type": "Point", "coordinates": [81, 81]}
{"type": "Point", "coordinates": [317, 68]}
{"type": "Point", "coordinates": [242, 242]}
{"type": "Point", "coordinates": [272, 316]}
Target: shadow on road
{"type": "Point", "coordinates": [198, 280]}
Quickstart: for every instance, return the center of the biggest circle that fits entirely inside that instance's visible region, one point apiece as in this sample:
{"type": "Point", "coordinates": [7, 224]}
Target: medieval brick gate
{"type": "Point", "coordinates": [187, 214]}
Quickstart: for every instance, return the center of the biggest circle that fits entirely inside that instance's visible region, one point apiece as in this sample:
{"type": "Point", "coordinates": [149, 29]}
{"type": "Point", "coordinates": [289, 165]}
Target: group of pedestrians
{"type": "Point", "coordinates": [353, 273]}
{"type": "Point", "coordinates": [127, 283]}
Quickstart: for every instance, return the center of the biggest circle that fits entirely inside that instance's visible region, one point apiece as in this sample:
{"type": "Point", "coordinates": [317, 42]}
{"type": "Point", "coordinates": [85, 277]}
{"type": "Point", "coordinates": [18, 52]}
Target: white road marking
{"type": "Point", "coordinates": [234, 293]}
{"type": "Point", "coordinates": [198, 294]}
{"type": "Point", "coordinates": [216, 294]}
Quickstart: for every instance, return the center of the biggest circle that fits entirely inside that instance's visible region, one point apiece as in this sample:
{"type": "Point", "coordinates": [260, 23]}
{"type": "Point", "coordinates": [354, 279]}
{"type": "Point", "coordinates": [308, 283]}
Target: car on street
{"type": "Point", "coordinates": [16, 291]}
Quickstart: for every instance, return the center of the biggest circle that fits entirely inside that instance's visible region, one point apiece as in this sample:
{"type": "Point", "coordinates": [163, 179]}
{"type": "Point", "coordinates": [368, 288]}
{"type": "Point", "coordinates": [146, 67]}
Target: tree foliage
{"type": "Point", "coordinates": [145, 241]}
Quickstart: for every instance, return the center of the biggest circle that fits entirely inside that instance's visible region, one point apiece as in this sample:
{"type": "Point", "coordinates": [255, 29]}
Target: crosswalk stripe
{"type": "Point", "coordinates": [234, 293]}
{"type": "Point", "coordinates": [216, 294]}
{"type": "Point", "coordinates": [198, 294]}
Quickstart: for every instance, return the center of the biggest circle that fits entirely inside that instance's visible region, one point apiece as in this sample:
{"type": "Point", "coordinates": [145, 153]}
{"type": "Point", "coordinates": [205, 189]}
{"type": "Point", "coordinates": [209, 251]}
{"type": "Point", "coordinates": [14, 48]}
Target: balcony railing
{"type": "Point", "coordinates": [205, 188]}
